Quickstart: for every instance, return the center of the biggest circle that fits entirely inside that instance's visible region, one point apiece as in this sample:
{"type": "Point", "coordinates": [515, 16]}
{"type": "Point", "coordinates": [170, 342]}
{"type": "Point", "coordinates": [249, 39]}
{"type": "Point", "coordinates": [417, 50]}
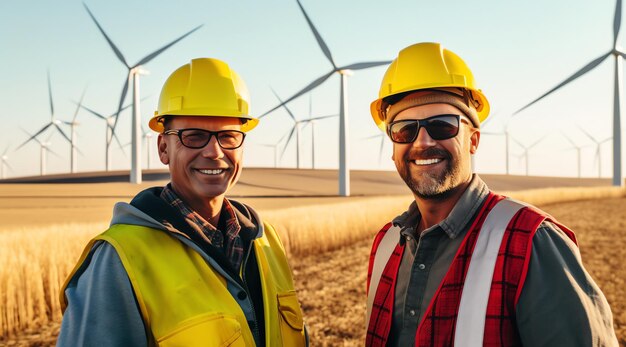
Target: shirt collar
{"type": "Point", "coordinates": [461, 215]}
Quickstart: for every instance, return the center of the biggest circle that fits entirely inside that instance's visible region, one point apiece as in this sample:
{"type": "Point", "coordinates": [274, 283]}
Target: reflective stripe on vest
{"type": "Point", "coordinates": [470, 325]}
{"type": "Point", "coordinates": [383, 253]}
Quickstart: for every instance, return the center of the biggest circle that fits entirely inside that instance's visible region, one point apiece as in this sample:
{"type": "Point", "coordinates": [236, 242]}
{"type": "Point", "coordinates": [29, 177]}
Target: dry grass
{"type": "Point", "coordinates": [317, 229]}
{"type": "Point", "coordinates": [35, 263]}
{"type": "Point", "coordinates": [331, 280]}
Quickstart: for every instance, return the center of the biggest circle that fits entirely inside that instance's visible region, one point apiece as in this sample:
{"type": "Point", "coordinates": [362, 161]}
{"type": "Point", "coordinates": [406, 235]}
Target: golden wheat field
{"type": "Point", "coordinates": [328, 245]}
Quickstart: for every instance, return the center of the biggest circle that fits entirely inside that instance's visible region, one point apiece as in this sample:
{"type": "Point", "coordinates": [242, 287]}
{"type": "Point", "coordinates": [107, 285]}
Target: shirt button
{"type": "Point", "coordinates": [408, 238]}
{"type": "Point", "coordinates": [421, 266]}
{"type": "Point", "coordinates": [412, 313]}
{"type": "Point", "coordinates": [242, 295]}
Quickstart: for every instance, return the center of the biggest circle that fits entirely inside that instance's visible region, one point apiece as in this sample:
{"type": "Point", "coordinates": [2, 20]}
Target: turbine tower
{"type": "Point", "coordinates": [527, 149]}
{"type": "Point", "coordinates": [344, 72]}
{"type": "Point", "coordinates": [133, 73]}
{"type": "Point", "coordinates": [578, 151]}
{"type": "Point", "coordinates": [44, 148]}
{"type": "Point", "coordinates": [110, 121]}
{"type": "Point", "coordinates": [147, 135]}
{"type": "Point", "coordinates": [54, 123]}
{"type": "Point", "coordinates": [312, 121]}
{"type": "Point", "coordinates": [598, 155]}
{"type": "Point", "coordinates": [4, 165]}
{"type": "Point", "coordinates": [73, 124]}
{"type": "Point", "coordinates": [617, 92]}
{"type": "Point", "coordinates": [504, 133]}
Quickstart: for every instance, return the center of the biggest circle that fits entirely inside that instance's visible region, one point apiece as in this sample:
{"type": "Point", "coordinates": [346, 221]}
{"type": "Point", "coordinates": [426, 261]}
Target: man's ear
{"type": "Point", "coordinates": [474, 140]}
{"type": "Point", "coordinates": [163, 150]}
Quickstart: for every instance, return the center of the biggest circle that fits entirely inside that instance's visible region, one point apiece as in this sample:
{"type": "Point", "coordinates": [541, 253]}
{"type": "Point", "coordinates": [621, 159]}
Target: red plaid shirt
{"type": "Point", "coordinates": [227, 239]}
{"type": "Point", "coordinates": [438, 326]}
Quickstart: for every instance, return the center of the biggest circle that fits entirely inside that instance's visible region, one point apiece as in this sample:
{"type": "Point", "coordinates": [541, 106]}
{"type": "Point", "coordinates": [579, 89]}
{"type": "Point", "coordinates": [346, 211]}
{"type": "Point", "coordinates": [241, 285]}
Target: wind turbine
{"type": "Point", "coordinates": [110, 121]}
{"type": "Point", "coordinates": [4, 165]}
{"type": "Point", "coordinates": [617, 94]}
{"type": "Point", "coordinates": [527, 149]}
{"type": "Point", "coordinates": [274, 146]}
{"type": "Point", "coordinates": [312, 121]}
{"type": "Point", "coordinates": [344, 72]}
{"type": "Point", "coordinates": [133, 73]}
{"type": "Point", "coordinates": [54, 123]}
{"type": "Point", "coordinates": [296, 129]}
{"type": "Point", "coordinates": [73, 124]}
{"type": "Point", "coordinates": [44, 147]}
{"type": "Point", "coordinates": [506, 135]}
{"type": "Point", "coordinates": [147, 135]}
{"type": "Point", "coordinates": [577, 148]}
{"type": "Point", "coordinates": [598, 156]}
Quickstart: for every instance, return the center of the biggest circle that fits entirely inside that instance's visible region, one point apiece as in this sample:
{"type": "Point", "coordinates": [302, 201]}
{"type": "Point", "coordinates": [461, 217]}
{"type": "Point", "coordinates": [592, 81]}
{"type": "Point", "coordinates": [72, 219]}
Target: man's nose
{"type": "Point", "coordinates": [423, 139]}
{"type": "Point", "coordinates": [212, 150]}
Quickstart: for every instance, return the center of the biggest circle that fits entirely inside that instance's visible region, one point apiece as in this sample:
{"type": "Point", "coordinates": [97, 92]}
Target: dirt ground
{"type": "Point", "coordinates": [332, 285]}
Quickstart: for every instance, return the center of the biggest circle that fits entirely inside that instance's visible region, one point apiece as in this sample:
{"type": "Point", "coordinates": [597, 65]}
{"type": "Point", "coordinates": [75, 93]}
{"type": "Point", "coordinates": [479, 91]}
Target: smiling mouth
{"type": "Point", "coordinates": [427, 161]}
{"type": "Point", "coordinates": [211, 172]}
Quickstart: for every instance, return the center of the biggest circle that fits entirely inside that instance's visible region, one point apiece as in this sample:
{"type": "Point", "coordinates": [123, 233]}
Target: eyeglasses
{"type": "Point", "coordinates": [198, 138]}
{"type": "Point", "coordinates": [439, 127]}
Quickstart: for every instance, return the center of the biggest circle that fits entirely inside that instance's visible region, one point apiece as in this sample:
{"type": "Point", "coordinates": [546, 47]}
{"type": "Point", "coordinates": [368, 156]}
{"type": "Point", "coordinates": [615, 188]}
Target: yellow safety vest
{"type": "Point", "coordinates": [185, 302]}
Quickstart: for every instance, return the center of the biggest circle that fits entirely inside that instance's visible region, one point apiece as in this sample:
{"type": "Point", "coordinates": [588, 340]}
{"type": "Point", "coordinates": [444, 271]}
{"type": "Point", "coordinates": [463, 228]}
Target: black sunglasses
{"type": "Point", "coordinates": [439, 127]}
{"type": "Point", "coordinates": [198, 138]}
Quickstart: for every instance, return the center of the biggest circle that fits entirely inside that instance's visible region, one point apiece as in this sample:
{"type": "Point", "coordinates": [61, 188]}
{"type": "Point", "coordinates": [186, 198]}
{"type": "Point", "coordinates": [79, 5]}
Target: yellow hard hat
{"type": "Point", "coordinates": [205, 87]}
{"type": "Point", "coordinates": [427, 65]}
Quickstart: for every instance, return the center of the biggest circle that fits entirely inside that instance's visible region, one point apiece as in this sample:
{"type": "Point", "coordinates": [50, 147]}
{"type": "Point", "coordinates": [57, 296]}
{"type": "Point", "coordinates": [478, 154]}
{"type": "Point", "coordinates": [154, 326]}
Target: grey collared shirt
{"type": "Point", "coordinates": [578, 316]}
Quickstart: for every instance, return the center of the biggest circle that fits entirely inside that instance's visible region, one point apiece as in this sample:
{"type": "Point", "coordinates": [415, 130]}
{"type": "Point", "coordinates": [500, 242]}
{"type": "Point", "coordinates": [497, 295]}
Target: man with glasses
{"type": "Point", "coordinates": [182, 265]}
{"type": "Point", "coordinates": [464, 266]}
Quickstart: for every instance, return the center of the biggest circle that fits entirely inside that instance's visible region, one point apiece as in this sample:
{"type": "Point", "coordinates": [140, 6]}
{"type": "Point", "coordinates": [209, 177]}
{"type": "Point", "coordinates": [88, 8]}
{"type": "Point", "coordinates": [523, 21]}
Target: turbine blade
{"type": "Point", "coordinates": [33, 137]}
{"type": "Point", "coordinates": [117, 139]}
{"type": "Point", "coordinates": [50, 97]}
{"type": "Point", "coordinates": [284, 105]}
{"type": "Point", "coordinates": [154, 54]}
{"type": "Point", "coordinates": [52, 152]}
{"type": "Point", "coordinates": [568, 138]}
{"type": "Point", "coordinates": [62, 133]}
{"type": "Point", "coordinates": [537, 142]}
{"type": "Point", "coordinates": [91, 111]}
{"type": "Point", "coordinates": [288, 140]}
{"type": "Point", "coordinates": [122, 98]}
{"type": "Point", "coordinates": [519, 143]}
{"type": "Point", "coordinates": [607, 139]}
{"type": "Point", "coordinates": [6, 150]}
{"type": "Point", "coordinates": [80, 102]}
{"type": "Point", "coordinates": [312, 85]}
{"type": "Point", "coordinates": [617, 21]}
{"type": "Point", "coordinates": [366, 65]}
{"type": "Point", "coordinates": [588, 134]}
{"type": "Point", "coordinates": [578, 73]}
{"type": "Point", "coordinates": [117, 52]}
{"type": "Point", "coordinates": [318, 37]}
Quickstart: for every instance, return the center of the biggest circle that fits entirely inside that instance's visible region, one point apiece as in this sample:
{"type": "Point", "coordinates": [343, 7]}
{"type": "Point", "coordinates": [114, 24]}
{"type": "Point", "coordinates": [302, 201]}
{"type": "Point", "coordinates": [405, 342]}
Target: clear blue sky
{"type": "Point", "coordinates": [517, 50]}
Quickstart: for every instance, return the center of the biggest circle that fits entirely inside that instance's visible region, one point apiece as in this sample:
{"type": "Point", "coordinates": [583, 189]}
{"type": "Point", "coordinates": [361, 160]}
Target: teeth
{"type": "Point", "coordinates": [212, 172]}
{"type": "Point", "coordinates": [427, 161]}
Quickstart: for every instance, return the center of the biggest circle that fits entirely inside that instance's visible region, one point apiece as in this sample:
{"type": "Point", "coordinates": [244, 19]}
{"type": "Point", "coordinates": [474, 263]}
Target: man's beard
{"type": "Point", "coordinates": [432, 185]}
